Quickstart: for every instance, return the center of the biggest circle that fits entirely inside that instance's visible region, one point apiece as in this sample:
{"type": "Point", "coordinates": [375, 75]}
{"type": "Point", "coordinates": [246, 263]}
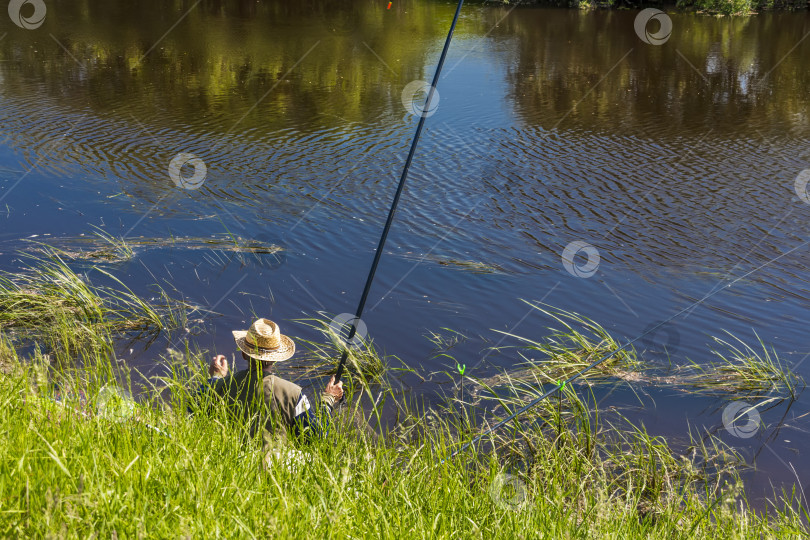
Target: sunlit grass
{"type": "Point", "coordinates": [66, 470]}
{"type": "Point", "coordinates": [567, 349]}
{"type": "Point", "coordinates": [8, 356]}
{"type": "Point", "coordinates": [364, 362]}
{"type": "Point", "coordinates": [740, 370]}
{"type": "Point", "coordinates": [743, 370]}
{"type": "Point", "coordinates": [49, 303]}
{"type": "Point", "coordinates": [117, 249]}
{"type": "Point", "coordinates": [69, 467]}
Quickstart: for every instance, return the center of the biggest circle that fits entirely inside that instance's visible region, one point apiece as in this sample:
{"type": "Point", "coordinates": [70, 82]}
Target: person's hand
{"type": "Point", "coordinates": [218, 367]}
{"type": "Point", "coordinates": [333, 390]}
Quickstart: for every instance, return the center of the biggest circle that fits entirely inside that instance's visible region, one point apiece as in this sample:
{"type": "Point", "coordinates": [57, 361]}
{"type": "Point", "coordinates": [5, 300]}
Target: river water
{"type": "Point", "coordinates": [676, 163]}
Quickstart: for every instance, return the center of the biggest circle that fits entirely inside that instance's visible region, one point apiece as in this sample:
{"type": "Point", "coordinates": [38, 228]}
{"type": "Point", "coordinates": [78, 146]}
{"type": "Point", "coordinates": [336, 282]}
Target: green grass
{"type": "Point", "coordinates": [743, 370]}
{"type": "Point", "coordinates": [49, 304]}
{"type": "Point", "coordinates": [8, 356]}
{"type": "Point", "coordinates": [67, 472]}
{"type": "Point", "coordinates": [68, 469]}
{"type": "Point", "coordinates": [116, 249]}
{"type": "Point", "coordinates": [568, 349]}
{"type": "Point", "coordinates": [364, 362]}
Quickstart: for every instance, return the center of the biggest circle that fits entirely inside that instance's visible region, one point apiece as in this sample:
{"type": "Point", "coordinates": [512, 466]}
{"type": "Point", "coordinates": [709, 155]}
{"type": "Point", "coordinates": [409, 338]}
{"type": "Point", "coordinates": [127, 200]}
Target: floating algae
{"type": "Point", "coordinates": [103, 247]}
{"type": "Point", "coordinates": [476, 267]}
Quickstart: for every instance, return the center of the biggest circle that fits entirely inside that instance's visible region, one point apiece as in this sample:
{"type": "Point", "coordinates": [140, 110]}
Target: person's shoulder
{"type": "Point", "coordinates": [282, 386]}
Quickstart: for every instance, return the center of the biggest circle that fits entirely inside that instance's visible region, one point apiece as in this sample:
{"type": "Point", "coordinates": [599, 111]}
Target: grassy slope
{"type": "Point", "coordinates": [70, 471]}
{"type": "Point", "coordinates": [70, 475]}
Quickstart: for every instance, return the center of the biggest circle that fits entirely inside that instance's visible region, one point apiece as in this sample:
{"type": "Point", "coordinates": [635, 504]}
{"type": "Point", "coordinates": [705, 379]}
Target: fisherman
{"type": "Point", "coordinates": [261, 398]}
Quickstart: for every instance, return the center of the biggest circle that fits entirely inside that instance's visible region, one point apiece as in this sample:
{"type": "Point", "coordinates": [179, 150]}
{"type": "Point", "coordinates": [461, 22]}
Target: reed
{"type": "Point", "coordinates": [742, 370]}
{"type": "Point", "coordinates": [566, 350]}
{"type": "Point", "coordinates": [364, 362]}
{"type": "Point", "coordinates": [49, 304]}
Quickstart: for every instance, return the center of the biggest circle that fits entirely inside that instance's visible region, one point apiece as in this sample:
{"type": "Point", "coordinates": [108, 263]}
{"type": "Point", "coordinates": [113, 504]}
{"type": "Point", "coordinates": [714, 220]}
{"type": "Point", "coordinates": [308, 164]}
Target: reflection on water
{"type": "Point", "coordinates": [676, 162]}
{"type": "Point", "coordinates": [733, 76]}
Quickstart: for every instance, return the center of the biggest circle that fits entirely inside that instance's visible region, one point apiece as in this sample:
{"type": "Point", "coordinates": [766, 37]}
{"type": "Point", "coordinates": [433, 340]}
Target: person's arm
{"type": "Point", "coordinates": [307, 420]}
{"type": "Point", "coordinates": [217, 370]}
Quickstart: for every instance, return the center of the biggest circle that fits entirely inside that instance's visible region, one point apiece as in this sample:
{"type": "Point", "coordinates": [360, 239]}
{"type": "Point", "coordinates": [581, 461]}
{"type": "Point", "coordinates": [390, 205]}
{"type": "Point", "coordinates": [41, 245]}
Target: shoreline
{"type": "Point", "coordinates": [140, 470]}
{"type": "Point", "coordinates": [91, 459]}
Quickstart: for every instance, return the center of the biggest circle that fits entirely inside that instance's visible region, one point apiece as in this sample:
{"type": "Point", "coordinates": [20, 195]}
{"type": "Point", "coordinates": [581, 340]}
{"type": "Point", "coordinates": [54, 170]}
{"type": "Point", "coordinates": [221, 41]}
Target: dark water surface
{"type": "Point", "coordinates": [677, 162]}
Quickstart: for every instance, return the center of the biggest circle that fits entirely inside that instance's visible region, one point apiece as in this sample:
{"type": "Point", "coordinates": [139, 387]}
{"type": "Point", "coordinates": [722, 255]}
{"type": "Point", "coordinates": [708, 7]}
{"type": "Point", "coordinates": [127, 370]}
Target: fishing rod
{"type": "Point", "coordinates": [582, 372]}
{"type": "Point", "coordinates": [395, 202]}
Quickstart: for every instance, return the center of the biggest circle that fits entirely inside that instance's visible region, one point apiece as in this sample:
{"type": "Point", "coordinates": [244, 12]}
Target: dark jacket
{"type": "Point", "coordinates": [275, 405]}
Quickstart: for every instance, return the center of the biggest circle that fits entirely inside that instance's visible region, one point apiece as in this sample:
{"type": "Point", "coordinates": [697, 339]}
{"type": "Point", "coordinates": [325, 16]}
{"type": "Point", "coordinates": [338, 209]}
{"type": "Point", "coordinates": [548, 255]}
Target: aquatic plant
{"type": "Point", "coordinates": [742, 370]}
{"type": "Point", "coordinates": [445, 340]}
{"type": "Point", "coordinates": [118, 249]}
{"type": "Point", "coordinates": [103, 247]}
{"type": "Point", "coordinates": [475, 267]}
{"type": "Point", "coordinates": [364, 362]}
{"type": "Point", "coordinates": [567, 350]}
{"type": "Point", "coordinates": [48, 302]}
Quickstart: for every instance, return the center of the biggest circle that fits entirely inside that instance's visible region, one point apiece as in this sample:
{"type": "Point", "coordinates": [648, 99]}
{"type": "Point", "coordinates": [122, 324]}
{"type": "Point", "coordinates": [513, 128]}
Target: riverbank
{"type": "Point", "coordinates": [81, 457]}
{"type": "Point", "coordinates": [73, 469]}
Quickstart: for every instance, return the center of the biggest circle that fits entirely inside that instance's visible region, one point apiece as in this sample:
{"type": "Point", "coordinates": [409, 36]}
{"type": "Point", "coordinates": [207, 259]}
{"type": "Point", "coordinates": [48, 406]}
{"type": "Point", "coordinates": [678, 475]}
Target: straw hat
{"type": "Point", "coordinates": [264, 342]}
